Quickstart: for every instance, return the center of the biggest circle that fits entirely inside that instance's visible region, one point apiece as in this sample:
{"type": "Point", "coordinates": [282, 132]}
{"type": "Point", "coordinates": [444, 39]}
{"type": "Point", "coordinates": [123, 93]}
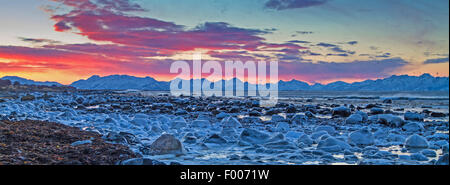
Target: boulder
{"type": "Point", "coordinates": [222, 115]}
{"type": "Point", "coordinates": [201, 123]}
{"type": "Point", "coordinates": [291, 109]}
{"type": "Point", "coordinates": [376, 110]}
{"type": "Point", "coordinates": [354, 119]}
{"type": "Point", "coordinates": [361, 137]}
{"type": "Point", "coordinates": [253, 136]}
{"type": "Point", "coordinates": [429, 153]}
{"type": "Point", "coordinates": [166, 144]}
{"type": "Point", "coordinates": [418, 157]}
{"type": "Point", "coordinates": [27, 97]}
{"type": "Point", "coordinates": [316, 135]}
{"type": "Point", "coordinates": [341, 111]}
{"type": "Point", "coordinates": [438, 114]}
{"type": "Point", "coordinates": [326, 128]}
{"type": "Point", "coordinates": [277, 118]}
{"type": "Point", "coordinates": [332, 144]}
{"type": "Point", "coordinates": [228, 132]}
{"type": "Point", "coordinates": [413, 127]}
{"type": "Point", "coordinates": [280, 145]}
{"type": "Point", "coordinates": [364, 115]}
{"type": "Point", "coordinates": [215, 139]}
{"type": "Point", "coordinates": [413, 116]}
{"type": "Point", "coordinates": [396, 138]}
{"type": "Point", "coordinates": [283, 127]}
{"type": "Point", "coordinates": [388, 119]}
{"type": "Point", "coordinates": [416, 141]}
{"type": "Point", "coordinates": [299, 119]}
{"type": "Point", "coordinates": [231, 122]}
{"type": "Point", "coordinates": [309, 114]}
{"type": "Point", "coordinates": [305, 139]}
{"type": "Point", "coordinates": [443, 160]}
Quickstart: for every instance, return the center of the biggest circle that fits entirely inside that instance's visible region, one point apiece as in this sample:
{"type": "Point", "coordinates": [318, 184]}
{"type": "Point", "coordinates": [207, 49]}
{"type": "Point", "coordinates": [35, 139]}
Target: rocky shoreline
{"type": "Point", "coordinates": [162, 129]}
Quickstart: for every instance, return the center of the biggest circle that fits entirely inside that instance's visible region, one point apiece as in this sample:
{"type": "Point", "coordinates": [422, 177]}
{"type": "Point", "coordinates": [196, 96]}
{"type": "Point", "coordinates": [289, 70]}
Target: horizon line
{"type": "Point", "coordinates": [292, 79]}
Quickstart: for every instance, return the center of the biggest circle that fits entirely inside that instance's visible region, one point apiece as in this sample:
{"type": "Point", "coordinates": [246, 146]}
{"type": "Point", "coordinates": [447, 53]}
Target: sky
{"type": "Point", "coordinates": [316, 41]}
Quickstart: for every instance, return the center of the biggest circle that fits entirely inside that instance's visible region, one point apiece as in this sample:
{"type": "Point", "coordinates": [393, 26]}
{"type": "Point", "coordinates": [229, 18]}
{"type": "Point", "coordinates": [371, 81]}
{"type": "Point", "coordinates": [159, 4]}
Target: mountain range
{"type": "Point", "coordinates": [425, 82]}
{"type": "Point", "coordinates": [24, 81]}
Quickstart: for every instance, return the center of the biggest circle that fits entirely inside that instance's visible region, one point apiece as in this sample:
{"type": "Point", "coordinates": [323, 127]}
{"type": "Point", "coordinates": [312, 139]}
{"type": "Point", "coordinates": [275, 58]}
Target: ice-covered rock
{"type": "Point", "coordinates": [181, 112]}
{"type": "Point", "coordinates": [283, 144]}
{"type": "Point", "coordinates": [110, 121]}
{"type": "Point", "coordinates": [299, 119]}
{"type": "Point", "coordinates": [309, 114]}
{"type": "Point", "coordinates": [316, 135]}
{"type": "Point", "coordinates": [376, 110]}
{"type": "Point", "coordinates": [222, 115]}
{"type": "Point", "coordinates": [330, 130]}
{"type": "Point", "coordinates": [413, 116]}
{"type": "Point", "coordinates": [76, 143]}
{"type": "Point", "coordinates": [189, 138]}
{"type": "Point", "coordinates": [341, 111]}
{"type": "Point", "coordinates": [354, 119]}
{"type": "Point", "coordinates": [364, 115]}
{"type": "Point", "coordinates": [283, 127]}
{"type": "Point", "coordinates": [361, 137]}
{"type": "Point", "coordinates": [215, 139]}
{"type": "Point", "coordinates": [141, 116]}
{"type": "Point", "coordinates": [413, 127]}
{"type": "Point", "coordinates": [443, 160]}
{"type": "Point", "coordinates": [163, 119]}
{"type": "Point", "coordinates": [166, 144]}
{"type": "Point", "coordinates": [178, 123]}
{"type": "Point", "coordinates": [387, 119]}
{"type": "Point", "coordinates": [418, 157]}
{"type": "Point", "coordinates": [277, 118]}
{"type": "Point", "coordinates": [293, 134]}
{"type": "Point", "coordinates": [121, 137]}
{"type": "Point", "coordinates": [416, 141]}
{"type": "Point", "coordinates": [429, 153]}
{"type": "Point", "coordinates": [396, 138]}
{"type": "Point", "coordinates": [201, 123]}
{"type": "Point", "coordinates": [437, 114]}
{"type": "Point", "coordinates": [140, 121]}
{"type": "Point", "coordinates": [231, 122]}
{"type": "Point", "coordinates": [253, 136]}
{"type": "Point", "coordinates": [332, 144]}
{"type": "Point", "coordinates": [305, 139]}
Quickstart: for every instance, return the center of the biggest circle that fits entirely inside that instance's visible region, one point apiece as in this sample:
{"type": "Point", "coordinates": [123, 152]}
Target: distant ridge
{"type": "Point", "coordinates": [24, 81]}
{"type": "Point", "coordinates": [120, 82]}
{"type": "Point", "coordinates": [425, 82]}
